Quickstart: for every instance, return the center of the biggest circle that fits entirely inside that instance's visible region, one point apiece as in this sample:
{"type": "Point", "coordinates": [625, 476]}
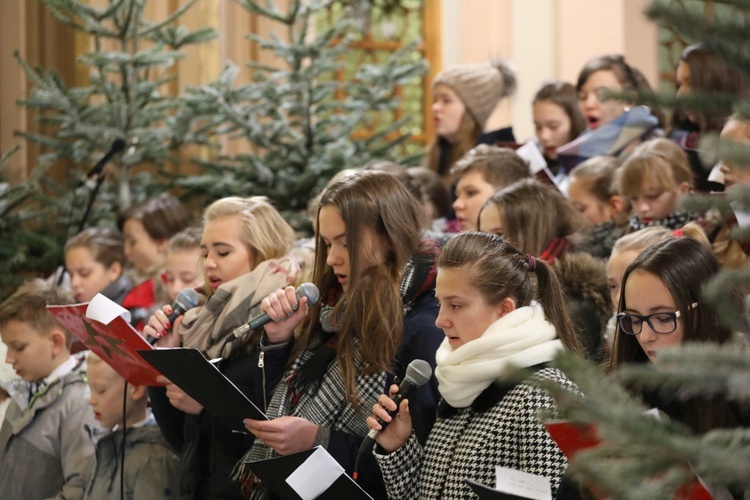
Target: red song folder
{"type": "Point", "coordinates": [101, 327]}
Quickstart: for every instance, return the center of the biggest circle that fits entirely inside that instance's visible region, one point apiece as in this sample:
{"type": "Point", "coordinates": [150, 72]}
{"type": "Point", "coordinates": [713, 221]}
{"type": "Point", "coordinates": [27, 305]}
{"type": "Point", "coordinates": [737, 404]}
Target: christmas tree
{"type": "Point", "coordinates": [299, 122]}
{"type": "Point", "coordinates": [125, 107]}
{"type": "Point", "coordinates": [23, 247]}
{"type": "Point", "coordinates": [131, 60]}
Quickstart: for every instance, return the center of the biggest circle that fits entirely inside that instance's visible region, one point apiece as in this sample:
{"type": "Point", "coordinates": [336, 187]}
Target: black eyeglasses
{"type": "Point", "coordinates": [661, 322]}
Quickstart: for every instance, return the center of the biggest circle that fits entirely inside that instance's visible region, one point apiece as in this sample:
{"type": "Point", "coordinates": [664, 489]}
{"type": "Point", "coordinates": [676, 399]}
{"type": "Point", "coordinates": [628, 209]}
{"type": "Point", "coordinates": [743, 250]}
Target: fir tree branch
{"type": "Point", "coordinates": [152, 27]}
{"type": "Point", "coordinates": [270, 11]}
{"type": "Point", "coordinates": [695, 369]}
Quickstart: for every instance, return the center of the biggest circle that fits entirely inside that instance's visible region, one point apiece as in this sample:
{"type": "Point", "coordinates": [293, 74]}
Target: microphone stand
{"type": "Point", "coordinates": [92, 197]}
{"type": "Point", "coordinates": [84, 219]}
{"type": "Point", "coordinates": [97, 171]}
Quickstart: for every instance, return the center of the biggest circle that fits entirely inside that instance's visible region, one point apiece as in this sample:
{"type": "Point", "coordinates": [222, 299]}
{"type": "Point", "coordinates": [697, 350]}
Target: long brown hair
{"type": "Point", "coordinates": [683, 265]}
{"type": "Point", "coordinates": [468, 133]}
{"type": "Point", "coordinates": [371, 311]}
{"type": "Point", "coordinates": [533, 214]}
{"type": "Point", "coordinates": [499, 270]}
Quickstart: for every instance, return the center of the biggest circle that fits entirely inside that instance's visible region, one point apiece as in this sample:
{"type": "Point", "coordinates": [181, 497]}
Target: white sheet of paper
{"type": "Point", "coordinates": [530, 152]}
{"type": "Point", "coordinates": [315, 475]}
{"type": "Point", "coordinates": [522, 484]}
{"type": "Point", "coordinates": [743, 218]}
{"type": "Point", "coordinates": [104, 310]}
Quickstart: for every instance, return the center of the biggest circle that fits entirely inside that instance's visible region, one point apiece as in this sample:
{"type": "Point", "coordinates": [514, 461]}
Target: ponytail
{"type": "Point", "coordinates": [549, 294]}
{"type": "Point", "coordinates": [499, 270]}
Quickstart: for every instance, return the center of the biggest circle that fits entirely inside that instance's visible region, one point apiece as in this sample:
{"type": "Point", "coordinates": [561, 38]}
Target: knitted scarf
{"type": "Point", "coordinates": [521, 338]}
{"type": "Point", "coordinates": [233, 304]}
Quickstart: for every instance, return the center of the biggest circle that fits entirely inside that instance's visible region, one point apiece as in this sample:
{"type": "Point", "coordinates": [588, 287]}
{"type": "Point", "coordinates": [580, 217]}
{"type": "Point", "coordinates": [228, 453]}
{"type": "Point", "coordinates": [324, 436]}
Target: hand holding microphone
{"type": "Point", "coordinates": [156, 328]}
{"type": "Point", "coordinates": [393, 412]}
{"type": "Point", "coordinates": [282, 312]}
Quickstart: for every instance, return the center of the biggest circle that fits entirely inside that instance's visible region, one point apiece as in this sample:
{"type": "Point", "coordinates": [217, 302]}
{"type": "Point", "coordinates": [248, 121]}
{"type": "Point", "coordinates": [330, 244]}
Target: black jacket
{"type": "Point", "coordinates": [209, 449]}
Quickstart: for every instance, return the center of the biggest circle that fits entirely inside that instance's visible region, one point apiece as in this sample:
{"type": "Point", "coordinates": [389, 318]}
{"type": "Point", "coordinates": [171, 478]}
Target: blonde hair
{"type": "Point", "coordinates": [187, 239]}
{"type": "Point", "coordinates": [264, 230]}
{"type": "Point", "coordinates": [28, 304]}
{"type": "Point", "coordinates": [92, 358]}
{"type": "Point", "coordinates": [642, 239]}
{"type": "Point", "coordinates": [661, 160]}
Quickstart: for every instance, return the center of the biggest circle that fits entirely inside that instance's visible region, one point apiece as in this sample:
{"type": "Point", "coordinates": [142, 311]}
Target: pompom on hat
{"type": "Point", "coordinates": [479, 86]}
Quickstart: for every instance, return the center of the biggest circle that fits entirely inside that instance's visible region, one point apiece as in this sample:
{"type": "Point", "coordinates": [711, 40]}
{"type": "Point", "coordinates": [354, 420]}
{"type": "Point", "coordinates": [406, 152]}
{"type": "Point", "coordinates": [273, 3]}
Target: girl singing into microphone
{"type": "Point", "coordinates": [376, 314]}
{"type": "Point", "coordinates": [245, 256]}
{"type": "Point", "coordinates": [495, 315]}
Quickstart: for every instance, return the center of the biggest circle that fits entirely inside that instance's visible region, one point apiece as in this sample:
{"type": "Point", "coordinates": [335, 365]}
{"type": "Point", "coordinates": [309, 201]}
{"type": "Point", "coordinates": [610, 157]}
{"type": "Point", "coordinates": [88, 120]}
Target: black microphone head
{"type": "Point", "coordinates": [310, 291]}
{"type": "Point", "coordinates": [418, 372]}
{"type": "Point", "coordinates": [118, 145]}
{"type": "Point", "coordinates": [186, 300]}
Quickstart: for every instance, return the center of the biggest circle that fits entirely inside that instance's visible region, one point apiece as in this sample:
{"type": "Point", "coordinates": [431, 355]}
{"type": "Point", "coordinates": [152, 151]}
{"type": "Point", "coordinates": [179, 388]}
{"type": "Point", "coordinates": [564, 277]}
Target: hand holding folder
{"type": "Point", "coordinates": [189, 370]}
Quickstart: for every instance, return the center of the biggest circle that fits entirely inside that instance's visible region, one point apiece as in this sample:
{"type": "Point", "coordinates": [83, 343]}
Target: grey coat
{"type": "Point", "coordinates": [150, 465]}
{"type": "Point", "coordinates": [45, 451]}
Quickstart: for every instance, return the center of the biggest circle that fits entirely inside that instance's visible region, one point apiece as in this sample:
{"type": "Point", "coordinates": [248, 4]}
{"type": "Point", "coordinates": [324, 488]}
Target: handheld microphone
{"type": "Point", "coordinates": [418, 373]}
{"type": "Point", "coordinates": [185, 300]}
{"type": "Point", "coordinates": [308, 290]}
{"type": "Point", "coordinates": [117, 146]}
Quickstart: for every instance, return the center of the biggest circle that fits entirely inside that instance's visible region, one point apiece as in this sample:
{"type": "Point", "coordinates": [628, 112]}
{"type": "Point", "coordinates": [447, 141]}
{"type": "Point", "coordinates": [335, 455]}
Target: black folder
{"type": "Point", "coordinates": [487, 493]}
{"type": "Point", "coordinates": [275, 471]}
{"type": "Point", "coordinates": [189, 370]}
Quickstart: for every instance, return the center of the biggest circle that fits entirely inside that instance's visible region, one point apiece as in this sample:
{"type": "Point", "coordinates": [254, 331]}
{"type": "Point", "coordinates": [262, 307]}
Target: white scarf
{"type": "Point", "coordinates": [521, 338]}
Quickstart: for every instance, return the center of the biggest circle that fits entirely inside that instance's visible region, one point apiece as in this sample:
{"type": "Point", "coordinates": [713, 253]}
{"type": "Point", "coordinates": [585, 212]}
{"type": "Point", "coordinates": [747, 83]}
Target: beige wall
{"type": "Point", "coordinates": [546, 39]}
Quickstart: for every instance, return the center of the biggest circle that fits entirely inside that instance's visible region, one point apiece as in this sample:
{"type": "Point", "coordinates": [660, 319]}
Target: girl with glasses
{"type": "Point", "coordinates": [661, 306]}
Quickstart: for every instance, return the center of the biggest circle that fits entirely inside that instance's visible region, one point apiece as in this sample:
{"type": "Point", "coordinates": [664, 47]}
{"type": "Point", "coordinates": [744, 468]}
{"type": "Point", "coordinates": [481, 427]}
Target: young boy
{"type": "Point", "coordinates": [44, 449]}
{"type": "Point", "coordinates": [482, 171]}
{"type": "Point", "coordinates": [150, 464]}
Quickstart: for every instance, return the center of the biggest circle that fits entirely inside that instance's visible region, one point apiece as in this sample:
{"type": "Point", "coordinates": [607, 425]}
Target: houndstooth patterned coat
{"type": "Point", "coordinates": [326, 407]}
{"type": "Point", "coordinates": [501, 427]}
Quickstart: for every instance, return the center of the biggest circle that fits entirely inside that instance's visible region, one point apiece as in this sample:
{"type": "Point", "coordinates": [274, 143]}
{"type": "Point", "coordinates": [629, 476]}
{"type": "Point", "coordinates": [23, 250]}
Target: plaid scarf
{"type": "Point", "coordinates": [205, 328]}
{"type": "Point", "coordinates": [610, 139]}
{"type": "Point", "coordinates": [675, 220]}
{"type": "Point", "coordinates": [555, 250]}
